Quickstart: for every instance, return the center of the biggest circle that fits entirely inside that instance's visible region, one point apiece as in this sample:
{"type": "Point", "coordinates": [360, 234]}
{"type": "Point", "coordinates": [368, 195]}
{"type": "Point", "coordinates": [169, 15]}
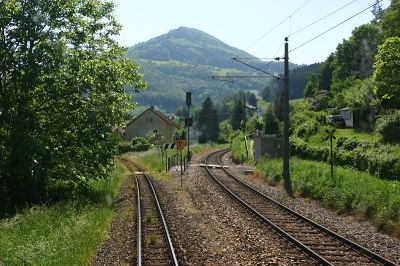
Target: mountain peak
{"type": "Point", "coordinates": [188, 45]}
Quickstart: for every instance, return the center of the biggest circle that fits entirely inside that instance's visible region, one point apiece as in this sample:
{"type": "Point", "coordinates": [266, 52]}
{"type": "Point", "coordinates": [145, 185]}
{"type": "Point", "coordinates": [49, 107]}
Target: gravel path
{"type": "Point", "coordinates": [353, 228]}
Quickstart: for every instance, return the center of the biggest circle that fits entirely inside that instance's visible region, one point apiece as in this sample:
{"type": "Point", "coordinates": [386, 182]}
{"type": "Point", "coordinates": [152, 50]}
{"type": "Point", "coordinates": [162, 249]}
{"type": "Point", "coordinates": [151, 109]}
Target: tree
{"type": "Point", "coordinates": [271, 123]}
{"type": "Point", "coordinates": [266, 93]}
{"type": "Point", "coordinates": [355, 57]}
{"type": "Point", "coordinates": [377, 11]}
{"type": "Point", "coordinates": [391, 20]}
{"type": "Point", "coordinates": [279, 106]}
{"type": "Point", "coordinates": [208, 121]}
{"type": "Point", "coordinates": [251, 99]}
{"type": "Point", "coordinates": [387, 73]}
{"type": "Point", "coordinates": [62, 80]}
{"type": "Point", "coordinates": [225, 131]}
{"type": "Point", "coordinates": [238, 114]}
{"type": "Point", "coordinates": [361, 100]}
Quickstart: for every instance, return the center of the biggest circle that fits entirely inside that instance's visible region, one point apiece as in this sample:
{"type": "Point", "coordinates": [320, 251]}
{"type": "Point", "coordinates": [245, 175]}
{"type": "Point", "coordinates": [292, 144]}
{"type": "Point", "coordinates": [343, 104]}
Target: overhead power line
{"type": "Point", "coordinates": [276, 26]}
{"type": "Point", "coordinates": [257, 68]}
{"type": "Point", "coordinates": [328, 30]}
{"type": "Point", "coordinates": [333, 12]}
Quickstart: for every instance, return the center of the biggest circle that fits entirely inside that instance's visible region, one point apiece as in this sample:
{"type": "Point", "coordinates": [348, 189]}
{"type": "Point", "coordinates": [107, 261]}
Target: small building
{"type": "Point", "coordinates": [270, 145]}
{"type": "Point", "coordinates": [151, 120]}
{"type": "Point", "coordinates": [348, 116]}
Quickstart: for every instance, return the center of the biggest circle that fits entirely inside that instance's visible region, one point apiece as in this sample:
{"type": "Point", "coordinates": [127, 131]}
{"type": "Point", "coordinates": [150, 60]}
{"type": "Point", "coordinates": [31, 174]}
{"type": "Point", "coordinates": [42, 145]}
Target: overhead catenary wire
{"type": "Point", "coordinates": [275, 27]}
{"type": "Point", "coordinates": [337, 25]}
{"type": "Point", "coordinates": [257, 68]}
{"type": "Point", "coordinates": [324, 17]}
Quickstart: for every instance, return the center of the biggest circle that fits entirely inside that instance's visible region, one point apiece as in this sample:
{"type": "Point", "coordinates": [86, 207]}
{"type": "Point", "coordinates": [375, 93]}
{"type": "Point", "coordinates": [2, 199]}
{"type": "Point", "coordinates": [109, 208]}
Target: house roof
{"type": "Point", "coordinates": [157, 113]}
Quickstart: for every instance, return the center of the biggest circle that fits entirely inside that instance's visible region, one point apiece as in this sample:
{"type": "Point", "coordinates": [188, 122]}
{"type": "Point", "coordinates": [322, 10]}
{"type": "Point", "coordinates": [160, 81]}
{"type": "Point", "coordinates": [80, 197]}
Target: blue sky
{"type": "Point", "coordinates": [247, 25]}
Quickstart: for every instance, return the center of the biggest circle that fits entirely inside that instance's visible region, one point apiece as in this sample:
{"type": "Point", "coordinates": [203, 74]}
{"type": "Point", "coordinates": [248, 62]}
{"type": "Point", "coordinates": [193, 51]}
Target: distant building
{"type": "Point", "coordinates": [270, 146]}
{"type": "Point", "coordinates": [348, 116]}
{"type": "Point", "coordinates": [149, 121]}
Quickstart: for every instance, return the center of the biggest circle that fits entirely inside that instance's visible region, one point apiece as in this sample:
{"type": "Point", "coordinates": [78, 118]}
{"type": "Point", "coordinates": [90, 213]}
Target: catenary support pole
{"type": "Point", "coordinates": [286, 171]}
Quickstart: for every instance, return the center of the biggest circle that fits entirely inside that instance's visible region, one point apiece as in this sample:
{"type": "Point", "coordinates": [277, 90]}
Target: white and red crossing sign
{"type": "Point", "coordinates": [169, 146]}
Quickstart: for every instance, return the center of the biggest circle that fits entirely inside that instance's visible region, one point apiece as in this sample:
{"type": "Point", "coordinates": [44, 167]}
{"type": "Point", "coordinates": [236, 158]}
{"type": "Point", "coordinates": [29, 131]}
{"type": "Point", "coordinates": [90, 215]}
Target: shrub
{"type": "Point", "coordinates": [381, 162]}
{"type": "Point", "coordinates": [388, 127]}
{"type": "Point", "coordinates": [125, 146]}
{"type": "Point", "coordinates": [307, 129]}
{"type": "Point", "coordinates": [140, 144]}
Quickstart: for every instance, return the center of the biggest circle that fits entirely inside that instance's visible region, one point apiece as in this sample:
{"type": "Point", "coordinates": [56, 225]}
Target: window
{"type": "Point", "coordinates": [149, 119]}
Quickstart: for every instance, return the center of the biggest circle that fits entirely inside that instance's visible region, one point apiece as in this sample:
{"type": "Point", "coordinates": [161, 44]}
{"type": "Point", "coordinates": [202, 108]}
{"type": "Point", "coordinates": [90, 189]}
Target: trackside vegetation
{"type": "Point", "coordinates": [62, 84]}
{"type": "Point", "coordinates": [349, 191]}
{"type": "Point", "coordinates": [66, 233]}
{"type": "Point", "coordinates": [151, 159]}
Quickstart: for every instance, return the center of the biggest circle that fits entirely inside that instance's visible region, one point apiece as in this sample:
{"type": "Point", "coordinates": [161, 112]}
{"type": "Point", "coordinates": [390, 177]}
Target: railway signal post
{"type": "Point", "coordinates": [180, 144]}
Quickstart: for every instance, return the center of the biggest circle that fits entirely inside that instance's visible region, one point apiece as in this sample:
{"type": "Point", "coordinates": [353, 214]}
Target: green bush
{"type": "Point", "coordinates": [238, 146]}
{"type": "Point", "coordinates": [307, 129]}
{"type": "Point", "coordinates": [305, 150]}
{"type": "Point", "coordinates": [379, 161]}
{"type": "Point", "coordinates": [125, 146]}
{"type": "Point", "coordinates": [388, 126]}
{"type": "Point", "coordinates": [140, 144]}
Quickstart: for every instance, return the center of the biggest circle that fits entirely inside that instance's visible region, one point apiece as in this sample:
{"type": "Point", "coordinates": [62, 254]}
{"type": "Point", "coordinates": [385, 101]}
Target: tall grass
{"type": "Point", "coordinates": [349, 191]}
{"type": "Point", "coordinates": [152, 159]}
{"type": "Point", "coordinates": [66, 233]}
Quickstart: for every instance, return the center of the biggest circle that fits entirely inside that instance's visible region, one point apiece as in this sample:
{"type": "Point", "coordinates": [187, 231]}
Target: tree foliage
{"type": "Point", "coordinates": [61, 83]}
{"type": "Point", "coordinates": [208, 122]}
{"type": "Point", "coordinates": [271, 123]}
{"type": "Point", "coordinates": [355, 56]}
{"type": "Point", "coordinates": [238, 114]}
{"type": "Point", "coordinates": [387, 73]}
{"type": "Point", "coordinates": [391, 20]}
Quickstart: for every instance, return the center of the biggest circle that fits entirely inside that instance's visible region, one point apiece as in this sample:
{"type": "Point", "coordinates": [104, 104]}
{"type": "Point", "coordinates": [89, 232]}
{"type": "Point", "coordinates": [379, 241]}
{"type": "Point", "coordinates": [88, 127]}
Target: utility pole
{"type": "Point", "coordinates": [286, 172]}
{"type": "Point", "coordinates": [188, 104]}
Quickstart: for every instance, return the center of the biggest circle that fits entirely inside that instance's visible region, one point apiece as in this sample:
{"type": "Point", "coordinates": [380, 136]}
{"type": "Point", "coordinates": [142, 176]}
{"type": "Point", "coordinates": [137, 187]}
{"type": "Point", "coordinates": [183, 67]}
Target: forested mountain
{"type": "Point", "coordinates": [185, 59]}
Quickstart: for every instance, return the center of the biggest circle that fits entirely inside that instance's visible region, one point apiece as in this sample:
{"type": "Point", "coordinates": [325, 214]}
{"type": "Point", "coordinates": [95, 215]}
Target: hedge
{"type": "Point", "coordinates": [379, 162]}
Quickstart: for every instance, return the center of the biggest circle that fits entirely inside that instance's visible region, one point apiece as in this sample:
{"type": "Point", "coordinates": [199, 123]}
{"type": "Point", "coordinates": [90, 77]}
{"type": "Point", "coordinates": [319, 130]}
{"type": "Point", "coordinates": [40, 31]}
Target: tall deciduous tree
{"type": "Point", "coordinates": [391, 20]}
{"type": "Point", "coordinates": [387, 73]}
{"type": "Point", "coordinates": [62, 80]}
{"type": "Point", "coordinates": [208, 121]}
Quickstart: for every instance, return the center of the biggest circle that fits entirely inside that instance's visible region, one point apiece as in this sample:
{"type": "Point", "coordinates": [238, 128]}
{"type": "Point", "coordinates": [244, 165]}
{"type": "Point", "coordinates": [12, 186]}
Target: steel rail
{"type": "Point", "coordinates": [162, 219]}
{"type": "Point", "coordinates": [139, 226]}
{"type": "Point", "coordinates": [310, 252]}
{"type": "Point", "coordinates": [347, 242]}
{"type": "Point", "coordinates": [165, 227]}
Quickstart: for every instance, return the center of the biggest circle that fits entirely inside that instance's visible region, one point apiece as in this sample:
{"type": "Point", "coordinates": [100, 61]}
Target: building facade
{"type": "Point", "coordinates": [150, 121]}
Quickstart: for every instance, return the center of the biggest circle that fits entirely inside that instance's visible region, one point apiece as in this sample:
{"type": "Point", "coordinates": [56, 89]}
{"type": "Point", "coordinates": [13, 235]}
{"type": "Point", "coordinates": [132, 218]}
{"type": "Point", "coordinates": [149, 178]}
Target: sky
{"type": "Point", "coordinates": [255, 26]}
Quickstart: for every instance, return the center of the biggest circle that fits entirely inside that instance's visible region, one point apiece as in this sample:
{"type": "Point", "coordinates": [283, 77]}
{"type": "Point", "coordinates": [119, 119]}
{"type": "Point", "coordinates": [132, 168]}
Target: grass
{"type": "Point", "coordinates": [153, 239]}
{"type": "Point", "coordinates": [349, 133]}
{"type": "Point", "coordinates": [151, 160]}
{"type": "Point", "coordinates": [349, 192]}
{"type": "Point", "coordinates": [66, 233]}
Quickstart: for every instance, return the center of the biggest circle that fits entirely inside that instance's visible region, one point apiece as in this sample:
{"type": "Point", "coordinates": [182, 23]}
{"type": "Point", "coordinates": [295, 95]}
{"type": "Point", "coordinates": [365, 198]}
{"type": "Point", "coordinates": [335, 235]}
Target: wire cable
{"type": "Point", "coordinates": [328, 30]}
{"type": "Point", "coordinates": [275, 27]}
{"type": "Point", "coordinates": [257, 68]}
{"type": "Point", "coordinates": [333, 12]}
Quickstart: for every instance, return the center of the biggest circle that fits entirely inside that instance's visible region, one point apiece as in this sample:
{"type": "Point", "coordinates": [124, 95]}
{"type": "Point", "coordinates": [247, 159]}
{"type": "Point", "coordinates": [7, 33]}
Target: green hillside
{"type": "Point", "coordinates": [185, 59]}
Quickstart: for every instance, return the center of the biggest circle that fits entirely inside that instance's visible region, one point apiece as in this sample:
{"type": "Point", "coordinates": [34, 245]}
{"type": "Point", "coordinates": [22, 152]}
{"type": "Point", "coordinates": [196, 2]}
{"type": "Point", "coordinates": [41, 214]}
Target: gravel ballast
{"type": "Point", "coordinates": [209, 228]}
{"type": "Point", "coordinates": [353, 228]}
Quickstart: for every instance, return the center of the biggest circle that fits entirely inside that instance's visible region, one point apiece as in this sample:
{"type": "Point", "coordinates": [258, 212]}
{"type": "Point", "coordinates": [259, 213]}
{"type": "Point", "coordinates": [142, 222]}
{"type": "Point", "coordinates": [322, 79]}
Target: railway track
{"type": "Point", "coordinates": [321, 244]}
{"type": "Point", "coordinates": [154, 245]}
